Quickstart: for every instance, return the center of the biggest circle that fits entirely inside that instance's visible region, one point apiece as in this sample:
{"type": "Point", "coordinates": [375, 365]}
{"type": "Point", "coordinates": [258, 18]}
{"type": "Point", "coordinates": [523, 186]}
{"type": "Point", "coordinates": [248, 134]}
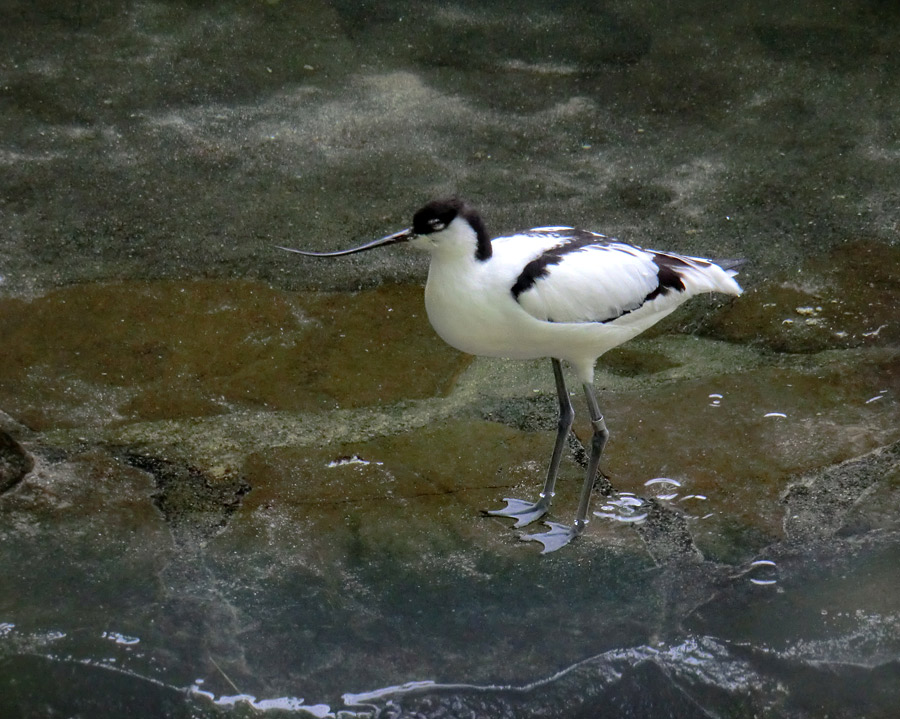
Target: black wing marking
{"type": "Point", "coordinates": [614, 280]}
{"type": "Point", "coordinates": [570, 240]}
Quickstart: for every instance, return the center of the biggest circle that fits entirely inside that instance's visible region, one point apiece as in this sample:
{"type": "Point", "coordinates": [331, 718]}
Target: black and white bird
{"type": "Point", "coordinates": [556, 292]}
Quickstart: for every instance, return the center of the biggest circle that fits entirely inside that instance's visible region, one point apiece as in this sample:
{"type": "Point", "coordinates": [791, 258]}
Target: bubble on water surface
{"type": "Point", "coordinates": [762, 572]}
{"type": "Point", "coordinates": [355, 459]}
{"type": "Point", "coordinates": [662, 488]}
{"type": "Point", "coordinates": [120, 638]}
{"type": "Point", "coordinates": [624, 507]}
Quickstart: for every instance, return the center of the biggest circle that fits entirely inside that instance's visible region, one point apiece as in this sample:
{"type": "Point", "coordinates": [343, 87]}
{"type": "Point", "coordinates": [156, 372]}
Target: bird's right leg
{"type": "Point", "coordinates": [527, 512]}
{"type": "Point", "coordinates": [560, 534]}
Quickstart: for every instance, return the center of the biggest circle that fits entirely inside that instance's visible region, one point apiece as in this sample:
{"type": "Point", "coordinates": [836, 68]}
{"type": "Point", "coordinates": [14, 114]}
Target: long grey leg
{"type": "Point", "coordinates": [560, 534]}
{"type": "Point", "coordinates": [527, 512]}
{"type": "Point", "coordinates": [598, 442]}
{"type": "Point", "coordinates": [563, 427]}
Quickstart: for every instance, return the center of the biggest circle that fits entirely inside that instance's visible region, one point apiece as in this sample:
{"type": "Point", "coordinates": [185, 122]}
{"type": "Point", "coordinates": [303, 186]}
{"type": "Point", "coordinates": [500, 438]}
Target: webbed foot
{"type": "Point", "coordinates": [523, 512]}
{"type": "Point", "coordinates": [557, 538]}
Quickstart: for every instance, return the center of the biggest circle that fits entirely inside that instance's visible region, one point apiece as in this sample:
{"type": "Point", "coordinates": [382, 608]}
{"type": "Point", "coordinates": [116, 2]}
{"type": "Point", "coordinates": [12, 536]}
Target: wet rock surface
{"type": "Point", "coordinates": [361, 540]}
{"type": "Point", "coordinates": [195, 505]}
{"type": "Point", "coordinates": [15, 462]}
{"type": "Point", "coordinates": [234, 480]}
{"type": "Point", "coordinates": [818, 507]}
{"type": "Point", "coordinates": [699, 678]}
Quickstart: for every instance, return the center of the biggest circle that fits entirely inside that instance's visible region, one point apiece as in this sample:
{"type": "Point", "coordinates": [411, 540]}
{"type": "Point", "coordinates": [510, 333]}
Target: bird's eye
{"type": "Point", "coordinates": [436, 224]}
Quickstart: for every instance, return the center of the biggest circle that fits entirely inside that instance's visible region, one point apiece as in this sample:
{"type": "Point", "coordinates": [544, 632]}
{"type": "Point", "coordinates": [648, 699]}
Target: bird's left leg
{"type": "Point", "coordinates": [560, 534]}
{"type": "Point", "coordinates": [527, 512]}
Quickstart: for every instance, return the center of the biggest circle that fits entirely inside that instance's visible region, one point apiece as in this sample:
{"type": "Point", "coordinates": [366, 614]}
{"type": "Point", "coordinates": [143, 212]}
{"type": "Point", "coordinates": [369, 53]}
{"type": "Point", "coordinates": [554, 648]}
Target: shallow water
{"type": "Point", "coordinates": [234, 481]}
{"type": "Point", "coordinates": [281, 552]}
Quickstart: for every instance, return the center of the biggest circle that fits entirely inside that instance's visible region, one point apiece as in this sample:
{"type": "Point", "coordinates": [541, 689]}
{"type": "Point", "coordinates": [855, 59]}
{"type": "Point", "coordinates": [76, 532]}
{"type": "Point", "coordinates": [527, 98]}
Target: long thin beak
{"type": "Point", "coordinates": [402, 236]}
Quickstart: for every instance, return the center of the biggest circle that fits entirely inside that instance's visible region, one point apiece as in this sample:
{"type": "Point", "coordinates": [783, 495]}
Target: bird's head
{"type": "Point", "coordinates": [446, 226]}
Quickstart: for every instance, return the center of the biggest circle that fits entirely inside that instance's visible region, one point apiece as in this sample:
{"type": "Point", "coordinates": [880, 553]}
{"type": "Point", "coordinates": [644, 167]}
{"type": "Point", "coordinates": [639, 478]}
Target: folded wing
{"type": "Point", "coordinates": [586, 277]}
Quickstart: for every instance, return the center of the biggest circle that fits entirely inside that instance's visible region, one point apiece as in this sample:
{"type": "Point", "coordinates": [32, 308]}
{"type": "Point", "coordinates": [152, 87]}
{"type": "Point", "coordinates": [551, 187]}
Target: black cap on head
{"type": "Point", "coordinates": [438, 214]}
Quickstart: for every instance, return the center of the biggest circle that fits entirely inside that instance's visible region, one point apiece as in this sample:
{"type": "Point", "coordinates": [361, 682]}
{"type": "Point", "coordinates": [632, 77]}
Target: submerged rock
{"type": "Point", "coordinates": [695, 679]}
{"type": "Point", "coordinates": [15, 462]}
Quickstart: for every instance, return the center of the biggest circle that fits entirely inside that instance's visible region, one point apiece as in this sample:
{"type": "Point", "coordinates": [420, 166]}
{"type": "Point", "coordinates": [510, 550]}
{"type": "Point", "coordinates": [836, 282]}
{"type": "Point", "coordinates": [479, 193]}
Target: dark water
{"type": "Point", "coordinates": [235, 481]}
